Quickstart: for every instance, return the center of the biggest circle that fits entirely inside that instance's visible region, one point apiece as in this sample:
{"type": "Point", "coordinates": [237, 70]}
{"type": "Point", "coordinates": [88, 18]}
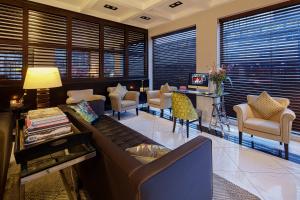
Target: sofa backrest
{"type": "Point", "coordinates": [6, 125]}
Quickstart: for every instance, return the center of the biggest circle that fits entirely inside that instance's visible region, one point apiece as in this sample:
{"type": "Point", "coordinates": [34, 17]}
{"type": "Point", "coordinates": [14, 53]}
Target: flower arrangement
{"type": "Point", "coordinates": [218, 75]}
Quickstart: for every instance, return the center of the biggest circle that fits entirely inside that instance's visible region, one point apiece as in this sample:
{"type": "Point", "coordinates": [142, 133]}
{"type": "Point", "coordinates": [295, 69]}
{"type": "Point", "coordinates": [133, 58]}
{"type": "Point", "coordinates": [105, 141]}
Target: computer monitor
{"type": "Point", "coordinates": [199, 81]}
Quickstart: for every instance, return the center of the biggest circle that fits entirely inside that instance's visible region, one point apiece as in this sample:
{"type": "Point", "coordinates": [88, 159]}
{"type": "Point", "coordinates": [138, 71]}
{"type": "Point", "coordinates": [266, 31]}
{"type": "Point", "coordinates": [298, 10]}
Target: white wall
{"type": "Point", "coordinates": [207, 35]}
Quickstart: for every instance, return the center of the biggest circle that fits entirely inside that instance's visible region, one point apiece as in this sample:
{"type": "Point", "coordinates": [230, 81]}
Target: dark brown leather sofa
{"type": "Point", "coordinates": [6, 125]}
{"type": "Point", "coordinates": [183, 174]}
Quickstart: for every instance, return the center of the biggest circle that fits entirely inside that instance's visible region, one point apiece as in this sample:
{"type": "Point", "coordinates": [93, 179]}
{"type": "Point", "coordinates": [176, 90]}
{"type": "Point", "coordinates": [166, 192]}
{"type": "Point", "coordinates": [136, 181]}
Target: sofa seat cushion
{"type": "Point", "coordinates": [127, 103]}
{"type": "Point", "coordinates": [155, 101]}
{"type": "Point", "coordinates": [262, 125]}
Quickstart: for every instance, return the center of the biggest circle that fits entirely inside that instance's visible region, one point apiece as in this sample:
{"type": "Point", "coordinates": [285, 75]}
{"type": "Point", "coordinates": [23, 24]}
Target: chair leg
{"type": "Point", "coordinates": [148, 109]}
{"type": "Point", "coordinates": [200, 123]}
{"type": "Point", "coordinates": [187, 128]}
{"type": "Point", "coordinates": [113, 113]}
{"type": "Point", "coordinates": [251, 135]}
{"type": "Point", "coordinates": [137, 111]}
{"type": "Point", "coordinates": [280, 143]}
{"type": "Point", "coordinates": [286, 151]}
{"type": "Point", "coordinates": [181, 122]}
{"type": "Point", "coordinates": [119, 115]}
{"type": "Point", "coordinates": [174, 123]}
{"type": "Point", "coordinates": [161, 112]}
{"type": "Point", "coordinates": [170, 109]}
{"type": "Point", "coordinates": [240, 137]}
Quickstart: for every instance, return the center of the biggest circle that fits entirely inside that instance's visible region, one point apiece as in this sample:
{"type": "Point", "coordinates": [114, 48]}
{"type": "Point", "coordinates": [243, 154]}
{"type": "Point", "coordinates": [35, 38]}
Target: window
{"type": "Point", "coordinates": [114, 52]}
{"type": "Point", "coordinates": [85, 49]}
{"type": "Point", "coordinates": [11, 35]}
{"type": "Point", "coordinates": [262, 53]}
{"type": "Point", "coordinates": [47, 35]}
{"type": "Point", "coordinates": [174, 57]}
{"type": "Point", "coordinates": [136, 54]}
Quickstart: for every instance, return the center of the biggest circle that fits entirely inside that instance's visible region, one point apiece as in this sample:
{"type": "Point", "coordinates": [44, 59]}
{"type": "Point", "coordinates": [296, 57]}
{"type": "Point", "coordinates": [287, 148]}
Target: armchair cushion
{"type": "Point", "coordinates": [155, 101]}
{"type": "Point", "coordinates": [266, 105]}
{"type": "Point", "coordinates": [127, 103]}
{"type": "Point", "coordinates": [262, 125]}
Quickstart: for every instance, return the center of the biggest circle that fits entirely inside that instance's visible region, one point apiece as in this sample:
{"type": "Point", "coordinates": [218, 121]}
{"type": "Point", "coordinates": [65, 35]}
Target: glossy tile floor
{"type": "Point", "coordinates": [264, 175]}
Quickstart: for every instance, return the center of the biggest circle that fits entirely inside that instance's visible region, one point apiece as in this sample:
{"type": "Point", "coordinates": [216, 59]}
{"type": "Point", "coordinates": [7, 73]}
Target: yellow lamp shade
{"type": "Point", "coordinates": [42, 77]}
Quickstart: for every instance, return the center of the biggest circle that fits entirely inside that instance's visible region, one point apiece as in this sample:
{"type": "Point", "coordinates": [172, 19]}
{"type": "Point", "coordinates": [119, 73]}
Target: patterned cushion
{"type": "Point", "coordinates": [165, 88]}
{"type": "Point", "coordinates": [266, 106]}
{"type": "Point", "coordinates": [146, 153]}
{"type": "Point", "coordinates": [85, 111]}
{"type": "Point", "coordinates": [120, 91]}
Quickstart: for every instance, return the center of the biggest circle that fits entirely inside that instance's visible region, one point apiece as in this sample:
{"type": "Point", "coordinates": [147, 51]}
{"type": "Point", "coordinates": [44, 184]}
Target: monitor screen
{"type": "Point", "coordinates": [199, 79]}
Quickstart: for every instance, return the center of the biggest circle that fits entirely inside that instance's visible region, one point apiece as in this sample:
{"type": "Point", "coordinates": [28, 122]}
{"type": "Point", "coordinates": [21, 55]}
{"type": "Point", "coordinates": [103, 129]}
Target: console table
{"type": "Point", "coordinates": [219, 117]}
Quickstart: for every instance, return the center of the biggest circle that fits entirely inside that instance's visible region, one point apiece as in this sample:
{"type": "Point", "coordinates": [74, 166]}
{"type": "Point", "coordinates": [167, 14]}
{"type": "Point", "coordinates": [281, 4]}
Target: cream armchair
{"type": "Point", "coordinates": [278, 127]}
{"type": "Point", "coordinates": [130, 101]}
{"type": "Point", "coordinates": [157, 99]}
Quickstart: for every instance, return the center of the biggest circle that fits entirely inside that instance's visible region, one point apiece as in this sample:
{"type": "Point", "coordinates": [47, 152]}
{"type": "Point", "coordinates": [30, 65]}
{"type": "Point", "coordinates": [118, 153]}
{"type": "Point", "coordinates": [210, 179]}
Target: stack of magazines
{"type": "Point", "coordinates": [44, 124]}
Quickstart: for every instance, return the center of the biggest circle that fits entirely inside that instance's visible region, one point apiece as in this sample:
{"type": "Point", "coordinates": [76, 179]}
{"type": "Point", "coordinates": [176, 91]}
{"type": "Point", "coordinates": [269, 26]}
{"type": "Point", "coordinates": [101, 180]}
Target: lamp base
{"type": "Point", "coordinates": [42, 98]}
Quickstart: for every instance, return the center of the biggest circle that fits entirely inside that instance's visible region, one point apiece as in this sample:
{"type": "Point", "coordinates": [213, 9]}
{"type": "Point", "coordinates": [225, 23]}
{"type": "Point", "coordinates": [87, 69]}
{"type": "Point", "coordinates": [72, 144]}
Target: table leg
{"type": "Point", "coordinates": [22, 191]}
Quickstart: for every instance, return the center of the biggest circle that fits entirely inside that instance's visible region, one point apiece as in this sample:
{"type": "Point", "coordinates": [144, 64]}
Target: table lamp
{"type": "Point", "coordinates": [42, 78]}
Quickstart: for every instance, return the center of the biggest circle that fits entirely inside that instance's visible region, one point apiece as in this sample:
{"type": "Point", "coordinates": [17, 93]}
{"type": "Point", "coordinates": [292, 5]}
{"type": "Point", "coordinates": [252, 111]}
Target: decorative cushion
{"type": "Point", "coordinates": [85, 111]}
{"type": "Point", "coordinates": [146, 153]}
{"type": "Point", "coordinates": [266, 106]}
{"type": "Point", "coordinates": [165, 88]}
{"type": "Point", "coordinates": [120, 91]}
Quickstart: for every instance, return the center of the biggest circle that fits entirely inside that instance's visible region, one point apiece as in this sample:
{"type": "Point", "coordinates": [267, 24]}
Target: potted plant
{"type": "Point", "coordinates": [218, 75]}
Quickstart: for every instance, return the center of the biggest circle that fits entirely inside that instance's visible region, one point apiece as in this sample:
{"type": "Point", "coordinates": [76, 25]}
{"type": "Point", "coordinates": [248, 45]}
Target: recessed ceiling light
{"type": "Point", "coordinates": [145, 17]}
{"type": "Point", "coordinates": [177, 3]}
{"type": "Point", "coordinates": [110, 7]}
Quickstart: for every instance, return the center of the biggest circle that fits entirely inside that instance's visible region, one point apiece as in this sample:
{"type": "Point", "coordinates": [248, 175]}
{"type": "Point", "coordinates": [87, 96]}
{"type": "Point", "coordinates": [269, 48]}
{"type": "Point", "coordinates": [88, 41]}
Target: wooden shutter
{"type": "Point", "coordinates": [85, 49]}
{"type": "Point", "coordinates": [11, 35]}
{"type": "Point", "coordinates": [136, 54]}
{"type": "Point", "coordinates": [262, 53]}
{"type": "Point", "coordinates": [47, 35]}
{"type": "Point", "coordinates": [174, 57]}
{"type": "Point", "coordinates": [114, 52]}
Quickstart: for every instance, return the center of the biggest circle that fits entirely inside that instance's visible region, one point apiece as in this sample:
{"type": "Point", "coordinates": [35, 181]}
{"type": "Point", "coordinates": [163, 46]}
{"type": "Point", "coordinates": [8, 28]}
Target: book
{"type": "Point", "coordinates": [46, 130]}
{"type": "Point", "coordinates": [45, 113]}
{"type": "Point", "coordinates": [47, 120]}
{"type": "Point", "coordinates": [31, 127]}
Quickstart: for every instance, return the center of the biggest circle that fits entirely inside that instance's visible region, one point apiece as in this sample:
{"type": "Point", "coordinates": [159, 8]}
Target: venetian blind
{"type": "Point", "coordinates": [47, 35]}
{"type": "Point", "coordinates": [85, 49]}
{"type": "Point", "coordinates": [11, 35]}
{"type": "Point", "coordinates": [262, 53]}
{"type": "Point", "coordinates": [114, 52]}
{"type": "Point", "coordinates": [136, 54]}
{"type": "Point", "coordinates": [174, 58]}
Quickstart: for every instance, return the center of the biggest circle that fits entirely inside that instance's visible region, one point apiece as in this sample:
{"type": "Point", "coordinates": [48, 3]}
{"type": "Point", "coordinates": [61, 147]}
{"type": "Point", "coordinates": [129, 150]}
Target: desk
{"type": "Point", "coordinates": [219, 117]}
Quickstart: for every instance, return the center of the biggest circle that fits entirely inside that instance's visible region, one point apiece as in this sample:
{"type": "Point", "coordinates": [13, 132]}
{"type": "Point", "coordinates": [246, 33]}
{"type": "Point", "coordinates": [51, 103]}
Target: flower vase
{"type": "Point", "coordinates": [219, 88]}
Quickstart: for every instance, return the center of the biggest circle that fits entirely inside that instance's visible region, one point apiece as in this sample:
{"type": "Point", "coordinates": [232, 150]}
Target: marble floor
{"type": "Point", "coordinates": [267, 176]}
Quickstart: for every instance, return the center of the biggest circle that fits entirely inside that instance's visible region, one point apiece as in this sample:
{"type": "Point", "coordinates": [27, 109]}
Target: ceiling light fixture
{"type": "Point", "coordinates": [110, 7]}
{"type": "Point", "coordinates": [177, 3]}
{"type": "Point", "coordinates": [145, 17]}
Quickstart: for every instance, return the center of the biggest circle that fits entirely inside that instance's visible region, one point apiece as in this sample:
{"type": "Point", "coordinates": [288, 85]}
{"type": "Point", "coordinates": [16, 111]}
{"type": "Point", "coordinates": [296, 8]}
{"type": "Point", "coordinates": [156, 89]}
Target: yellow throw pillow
{"type": "Point", "coordinates": [165, 88]}
{"type": "Point", "coordinates": [266, 106]}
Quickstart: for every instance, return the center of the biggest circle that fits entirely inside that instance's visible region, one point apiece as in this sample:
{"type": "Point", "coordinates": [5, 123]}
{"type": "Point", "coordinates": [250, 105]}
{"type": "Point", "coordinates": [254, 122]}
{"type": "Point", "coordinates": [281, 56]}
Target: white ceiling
{"type": "Point", "coordinates": [130, 11]}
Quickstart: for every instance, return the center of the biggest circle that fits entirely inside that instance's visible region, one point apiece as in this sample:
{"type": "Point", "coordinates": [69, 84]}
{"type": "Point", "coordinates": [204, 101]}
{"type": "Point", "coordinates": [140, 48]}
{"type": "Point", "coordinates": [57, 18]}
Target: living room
{"type": "Point", "coordinates": [153, 99]}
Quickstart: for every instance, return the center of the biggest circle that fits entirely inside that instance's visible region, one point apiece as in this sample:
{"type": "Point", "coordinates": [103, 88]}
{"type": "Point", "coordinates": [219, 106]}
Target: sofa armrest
{"type": "Point", "coordinates": [242, 114]}
{"type": "Point", "coordinates": [153, 94]}
{"type": "Point", "coordinates": [133, 96]}
{"type": "Point", "coordinates": [286, 120]}
{"type": "Point", "coordinates": [177, 175]}
{"type": "Point", "coordinates": [115, 102]}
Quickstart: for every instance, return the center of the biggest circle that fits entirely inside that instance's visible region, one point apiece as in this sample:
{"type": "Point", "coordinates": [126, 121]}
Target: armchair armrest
{"type": "Point", "coordinates": [132, 95]}
{"type": "Point", "coordinates": [241, 113]}
{"type": "Point", "coordinates": [115, 102]}
{"type": "Point", "coordinates": [153, 94]}
{"type": "Point", "coordinates": [286, 120]}
{"type": "Point", "coordinates": [166, 100]}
